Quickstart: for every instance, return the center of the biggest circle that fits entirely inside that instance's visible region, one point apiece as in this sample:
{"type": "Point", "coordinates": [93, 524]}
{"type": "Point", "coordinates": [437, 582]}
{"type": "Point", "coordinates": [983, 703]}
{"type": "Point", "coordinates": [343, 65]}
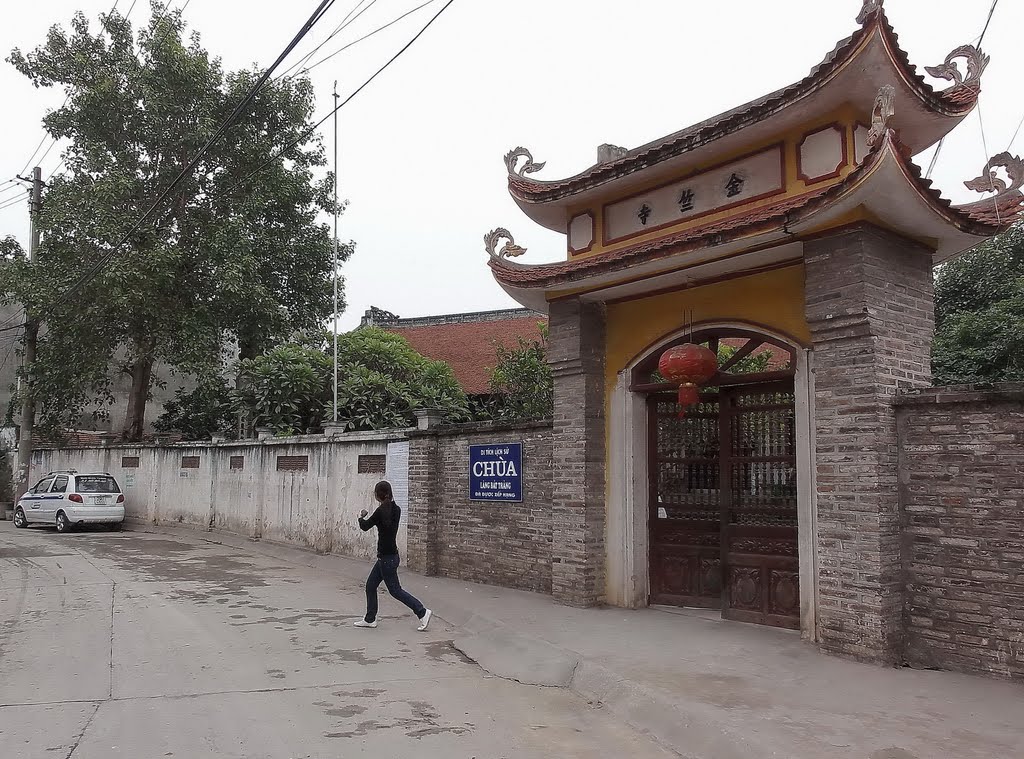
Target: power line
{"type": "Point", "coordinates": [345, 22]}
{"type": "Point", "coordinates": [366, 36]}
{"type": "Point", "coordinates": [1015, 135]}
{"type": "Point", "coordinates": [12, 203]}
{"type": "Point", "coordinates": [36, 151]}
{"type": "Point", "coordinates": [305, 135]}
{"type": "Point", "coordinates": [56, 169]}
{"type": "Point", "coordinates": [32, 158]}
{"type": "Point", "coordinates": [988, 156]}
{"type": "Point", "coordinates": [160, 18]}
{"type": "Point", "coordinates": [988, 21]}
{"type": "Point", "coordinates": [15, 327]}
{"type": "Point", "coordinates": [10, 350]}
{"type": "Point", "coordinates": [942, 141]}
{"type": "Point", "coordinates": [98, 266]}
{"type": "Point", "coordinates": [14, 188]}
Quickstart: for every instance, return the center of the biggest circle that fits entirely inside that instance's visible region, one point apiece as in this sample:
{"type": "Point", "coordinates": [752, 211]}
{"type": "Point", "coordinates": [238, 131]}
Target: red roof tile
{"type": "Point", "coordinates": [470, 348]}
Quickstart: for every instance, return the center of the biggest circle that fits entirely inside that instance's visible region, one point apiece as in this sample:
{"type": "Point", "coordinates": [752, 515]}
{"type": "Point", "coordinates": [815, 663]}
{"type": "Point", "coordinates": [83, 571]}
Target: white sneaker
{"type": "Point", "coordinates": [364, 623]}
{"type": "Point", "coordinates": [425, 622]}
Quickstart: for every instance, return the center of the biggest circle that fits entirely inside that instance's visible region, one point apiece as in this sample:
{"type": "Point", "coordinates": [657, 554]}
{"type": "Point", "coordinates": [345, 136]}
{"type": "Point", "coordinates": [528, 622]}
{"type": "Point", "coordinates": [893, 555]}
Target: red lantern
{"type": "Point", "coordinates": [689, 366]}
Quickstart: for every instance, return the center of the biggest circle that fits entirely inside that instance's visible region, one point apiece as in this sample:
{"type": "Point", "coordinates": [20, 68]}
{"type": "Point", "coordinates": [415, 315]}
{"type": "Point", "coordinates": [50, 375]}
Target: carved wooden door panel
{"type": "Point", "coordinates": [684, 511]}
{"type": "Point", "coordinates": [759, 505]}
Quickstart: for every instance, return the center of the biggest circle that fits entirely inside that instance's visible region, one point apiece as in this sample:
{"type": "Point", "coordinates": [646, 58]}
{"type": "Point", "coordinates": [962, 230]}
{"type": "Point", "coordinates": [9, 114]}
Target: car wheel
{"type": "Point", "coordinates": [19, 519]}
{"type": "Point", "coordinates": [63, 525]}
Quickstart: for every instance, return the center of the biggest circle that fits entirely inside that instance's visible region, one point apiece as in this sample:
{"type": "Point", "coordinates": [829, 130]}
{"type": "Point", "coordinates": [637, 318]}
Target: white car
{"type": "Point", "coordinates": [67, 499]}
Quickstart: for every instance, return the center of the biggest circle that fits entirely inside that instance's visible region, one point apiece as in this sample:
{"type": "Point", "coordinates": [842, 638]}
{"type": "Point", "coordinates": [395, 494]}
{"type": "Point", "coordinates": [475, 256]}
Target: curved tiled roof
{"type": "Point", "coordinates": [955, 101]}
{"type": "Point", "coordinates": [982, 219]}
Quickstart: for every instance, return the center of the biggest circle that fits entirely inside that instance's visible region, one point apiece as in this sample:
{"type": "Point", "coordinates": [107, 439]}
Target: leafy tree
{"type": "Point", "coordinates": [229, 255]}
{"type": "Point", "coordinates": [206, 410]}
{"type": "Point", "coordinates": [286, 388]}
{"type": "Point", "coordinates": [979, 310]}
{"type": "Point", "coordinates": [752, 364]}
{"type": "Point", "coordinates": [521, 381]}
{"type": "Point", "coordinates": [382, 381]}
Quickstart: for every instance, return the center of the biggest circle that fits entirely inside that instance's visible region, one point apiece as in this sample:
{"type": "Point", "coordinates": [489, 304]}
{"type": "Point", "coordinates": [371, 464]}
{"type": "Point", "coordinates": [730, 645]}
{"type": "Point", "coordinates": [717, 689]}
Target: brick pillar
{"type": "Point", "coordinates": [424, 477]}
{"type": "Point", "coordinates": [870, 309]}
{"type": "Point", "coordinates": [576, 352]}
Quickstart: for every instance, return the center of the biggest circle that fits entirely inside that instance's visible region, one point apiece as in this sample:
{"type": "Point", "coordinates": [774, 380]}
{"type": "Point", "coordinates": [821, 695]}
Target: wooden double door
{"type": "Point", "coordinates": [723, 504]}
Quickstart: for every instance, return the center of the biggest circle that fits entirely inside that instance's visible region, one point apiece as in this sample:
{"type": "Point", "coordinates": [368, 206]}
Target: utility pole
{"type": "Point", "coordinates": [28, 408]}
{"type": "Point", "coordinates": [336, 266]}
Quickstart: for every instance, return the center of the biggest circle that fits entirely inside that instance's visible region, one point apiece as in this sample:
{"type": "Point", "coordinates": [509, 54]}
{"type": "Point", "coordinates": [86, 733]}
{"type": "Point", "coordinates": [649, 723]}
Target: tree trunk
{"type": "Point", "coordinates": [142, 375]}
{"type": "Point", "coordinates": [247, 348]}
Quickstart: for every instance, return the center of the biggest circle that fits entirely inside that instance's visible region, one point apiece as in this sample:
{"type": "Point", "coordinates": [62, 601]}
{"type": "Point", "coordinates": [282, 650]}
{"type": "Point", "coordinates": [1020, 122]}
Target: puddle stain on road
{"type": "Point", "coordinates": [423, 720]}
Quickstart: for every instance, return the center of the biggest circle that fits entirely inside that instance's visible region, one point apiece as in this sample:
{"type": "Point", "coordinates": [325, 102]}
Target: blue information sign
{"type": "Point", "coordinates": [496, 472]}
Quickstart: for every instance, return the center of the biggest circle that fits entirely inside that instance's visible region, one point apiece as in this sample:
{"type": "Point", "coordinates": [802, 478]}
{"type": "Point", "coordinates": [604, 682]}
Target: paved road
{"type": "Point", "coordinates": [133, 645]}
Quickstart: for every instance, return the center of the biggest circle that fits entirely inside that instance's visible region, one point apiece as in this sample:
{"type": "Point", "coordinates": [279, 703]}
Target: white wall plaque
{"type": "Point", "coordinates": [822, 154]}
{"type": "Point", "coordinates": [581, 232]}
{"type": "Point", "coordinates": [742, 181]}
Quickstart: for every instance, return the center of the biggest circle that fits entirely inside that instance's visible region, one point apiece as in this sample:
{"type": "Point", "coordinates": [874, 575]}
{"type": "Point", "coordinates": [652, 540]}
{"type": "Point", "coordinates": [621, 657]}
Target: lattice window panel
{"type": "Point", "coordinates": [238, 462]}
{"type": "Point", "coordinates": [372, 464]}
{"type": "Point", "coordinates": [293, 463]}
{"type": "Point", "coordinates": [189, 462]}
{"type": "Point", "coordinates": [129, 462]}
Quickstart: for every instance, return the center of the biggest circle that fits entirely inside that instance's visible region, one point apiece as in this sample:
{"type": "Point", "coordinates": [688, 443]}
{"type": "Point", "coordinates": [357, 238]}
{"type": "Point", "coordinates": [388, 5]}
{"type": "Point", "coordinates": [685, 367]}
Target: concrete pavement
{"type": "Point", "coordinates": [705, 688]}
{"type": "Point", "coordinates": [712, 689]}
{"type": "Point", "coordinates": [140, 645]}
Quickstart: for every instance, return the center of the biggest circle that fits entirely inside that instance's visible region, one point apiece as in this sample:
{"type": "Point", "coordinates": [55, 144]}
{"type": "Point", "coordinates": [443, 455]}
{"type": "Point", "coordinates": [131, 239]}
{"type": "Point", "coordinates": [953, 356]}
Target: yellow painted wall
{"type": "Point", "coordinates": [774, 300]}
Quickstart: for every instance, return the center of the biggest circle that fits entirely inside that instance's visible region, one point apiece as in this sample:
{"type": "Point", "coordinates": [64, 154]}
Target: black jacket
{"type": "Point", "coordinates": [387, 534]}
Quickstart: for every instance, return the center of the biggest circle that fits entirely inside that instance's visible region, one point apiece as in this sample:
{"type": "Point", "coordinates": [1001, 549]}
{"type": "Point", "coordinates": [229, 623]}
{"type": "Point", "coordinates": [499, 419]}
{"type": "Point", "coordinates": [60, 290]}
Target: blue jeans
{"type": "Point", "coordinates": [386, 571]}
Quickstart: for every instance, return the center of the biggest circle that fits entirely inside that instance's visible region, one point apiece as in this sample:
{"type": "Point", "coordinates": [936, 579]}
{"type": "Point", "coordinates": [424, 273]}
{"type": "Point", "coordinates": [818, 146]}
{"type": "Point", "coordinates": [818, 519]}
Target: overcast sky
{"type": "Point", "coordinates": [421, 150]}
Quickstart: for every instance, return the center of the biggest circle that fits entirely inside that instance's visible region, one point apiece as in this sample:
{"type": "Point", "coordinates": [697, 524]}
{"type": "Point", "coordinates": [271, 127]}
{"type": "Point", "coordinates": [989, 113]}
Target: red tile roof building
{"type": "Point", "coordinates": [466, 342]}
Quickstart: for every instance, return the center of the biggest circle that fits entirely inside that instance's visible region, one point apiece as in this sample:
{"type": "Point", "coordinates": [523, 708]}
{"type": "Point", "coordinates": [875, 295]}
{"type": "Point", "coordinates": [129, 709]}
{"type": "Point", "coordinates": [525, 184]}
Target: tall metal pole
{"type": "Point", "coordinates": [336, 262]}
{"type": "Point", "coordinates": [28, 408]}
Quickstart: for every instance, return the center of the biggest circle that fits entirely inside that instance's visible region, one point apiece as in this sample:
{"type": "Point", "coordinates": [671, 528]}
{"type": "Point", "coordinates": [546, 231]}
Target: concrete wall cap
{"type": "Point", "coordinates": [997, 392]}
{"type": "Point", "coordinates": [474, 428]}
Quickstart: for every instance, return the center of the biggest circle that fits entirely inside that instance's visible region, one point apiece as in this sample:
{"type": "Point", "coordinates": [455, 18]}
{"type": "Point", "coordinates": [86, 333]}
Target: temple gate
{"type": "Point", "coordinates": [795, 237]}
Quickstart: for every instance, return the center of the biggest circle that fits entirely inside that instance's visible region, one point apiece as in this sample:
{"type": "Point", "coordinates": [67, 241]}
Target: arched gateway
{"type": "Point", "coordinates": [722, 511]}
{"type": "Point", "coordinates": [799, 222]}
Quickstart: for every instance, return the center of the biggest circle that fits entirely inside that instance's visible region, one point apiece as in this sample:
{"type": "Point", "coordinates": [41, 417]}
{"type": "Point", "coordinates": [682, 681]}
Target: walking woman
{"type": "Point", "coordinates": [386, 518]}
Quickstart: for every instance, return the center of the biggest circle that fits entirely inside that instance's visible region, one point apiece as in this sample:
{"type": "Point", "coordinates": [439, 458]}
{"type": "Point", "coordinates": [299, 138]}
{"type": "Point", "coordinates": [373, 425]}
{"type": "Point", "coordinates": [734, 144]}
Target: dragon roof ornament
{"type": "Point", "coordinates": [508, 250]}
{"type": "Point", "coordinates": [881, 114]}
{"type": "Point", "coordinates": [530, 167]}
{"type": "Point", "coordinates": [990, 181]}
{"type": "Point", "coordinates": [869, 8]}
{"type": "Point", "coordinates": [977, 62]}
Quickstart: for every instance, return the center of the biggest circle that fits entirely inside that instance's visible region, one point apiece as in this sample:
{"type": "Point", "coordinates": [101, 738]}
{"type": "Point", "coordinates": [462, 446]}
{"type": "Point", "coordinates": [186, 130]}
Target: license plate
{"type": "Point", "coordinates": [100, 499]}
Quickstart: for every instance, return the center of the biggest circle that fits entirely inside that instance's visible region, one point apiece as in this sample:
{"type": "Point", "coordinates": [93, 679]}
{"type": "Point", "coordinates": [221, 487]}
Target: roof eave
{"type": "Point", "coordinates": [952, 105]}
{"type": "Point", "coordinates": [953, 228]}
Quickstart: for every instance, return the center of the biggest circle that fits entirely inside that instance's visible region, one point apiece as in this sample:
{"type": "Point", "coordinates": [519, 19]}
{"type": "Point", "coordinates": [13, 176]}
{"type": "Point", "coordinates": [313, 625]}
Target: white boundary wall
{"type": "Point", "coordinates": [316, 508]}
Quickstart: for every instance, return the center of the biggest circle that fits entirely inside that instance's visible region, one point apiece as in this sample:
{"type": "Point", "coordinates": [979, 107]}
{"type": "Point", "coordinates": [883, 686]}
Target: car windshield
{"type": "Point", "coordinates": [96, 484]}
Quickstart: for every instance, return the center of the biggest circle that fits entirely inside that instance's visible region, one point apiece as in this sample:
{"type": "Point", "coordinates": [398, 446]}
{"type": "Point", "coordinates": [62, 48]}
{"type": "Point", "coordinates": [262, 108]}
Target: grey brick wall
{"type": "Point", "coordinates": [424, 500]}
{"type": "Point", "coordinates": [869, 305]}
{"type": "Point", "coordinates": [506, 544]}
{"type": "Point", "coordinates": [962, 498]}
{"type": "Point", "coordinates": [576, 351]}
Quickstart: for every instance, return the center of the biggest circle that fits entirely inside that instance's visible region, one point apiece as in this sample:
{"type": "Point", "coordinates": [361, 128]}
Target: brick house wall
{"type": "Point", "coordinates": [962, 499]}
{"type": "Point", "coordinates": [576, 353]}
{"type": "Point", "coordinates": [869, 305]}
{"type": "Point", "coordinates": [506, 544]}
